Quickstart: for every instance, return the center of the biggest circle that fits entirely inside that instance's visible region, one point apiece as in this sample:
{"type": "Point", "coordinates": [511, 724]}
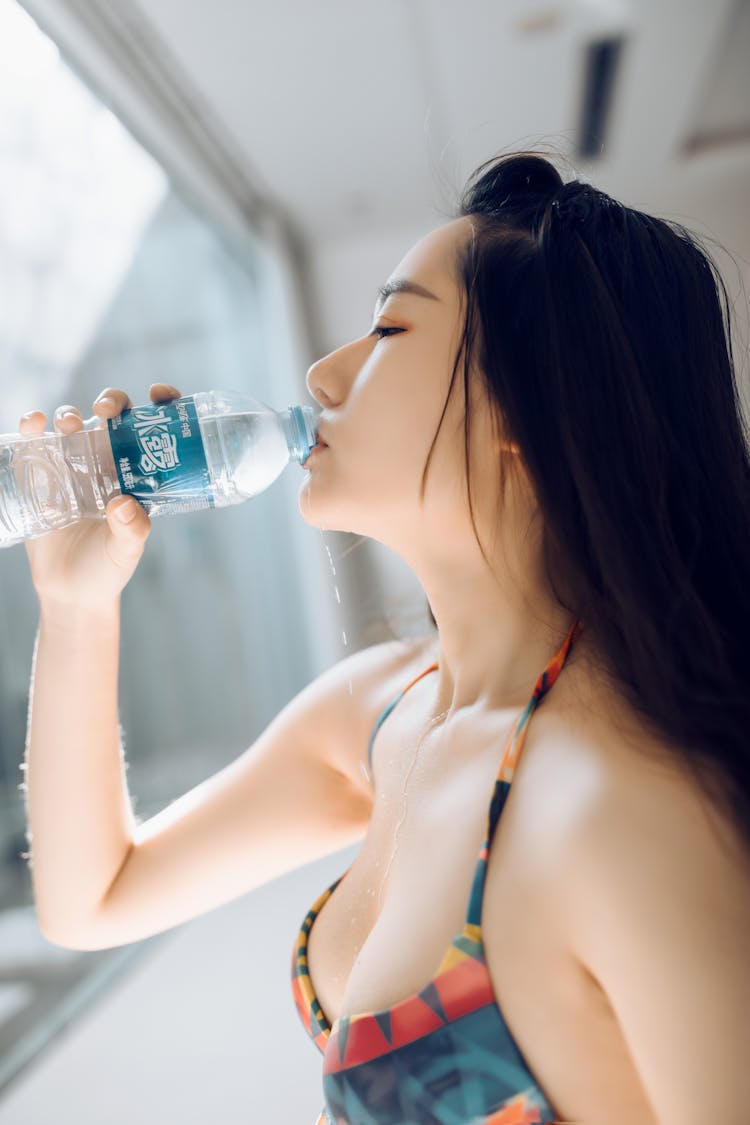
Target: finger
{"type": "Point", "coordinates": [121, 506]}
{"type": "Point", "coordinates": [161, 391]}
{"type": "Point", "coordinates": [67, 419]}
{"type": "Point", "coordinates": [112, 402]}
{"type": "Point", "coordinates": [127, 517]}
{"type": "Point", "coordinates": [33, 422]}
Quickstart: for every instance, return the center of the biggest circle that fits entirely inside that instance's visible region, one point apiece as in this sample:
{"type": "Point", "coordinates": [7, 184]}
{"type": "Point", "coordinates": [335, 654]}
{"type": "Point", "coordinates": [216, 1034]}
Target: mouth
{"type": "Point", "coordinates": [321, 445]}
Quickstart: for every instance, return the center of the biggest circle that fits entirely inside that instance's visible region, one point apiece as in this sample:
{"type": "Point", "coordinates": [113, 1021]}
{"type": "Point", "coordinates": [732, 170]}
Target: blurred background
{"type": "Point", "coordinates": [210, 195]}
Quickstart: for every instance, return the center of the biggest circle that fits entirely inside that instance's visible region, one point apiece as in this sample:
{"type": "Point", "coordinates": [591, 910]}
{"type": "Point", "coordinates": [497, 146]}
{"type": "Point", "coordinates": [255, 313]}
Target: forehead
{"type": "Point", "coordinates": [432, 260]}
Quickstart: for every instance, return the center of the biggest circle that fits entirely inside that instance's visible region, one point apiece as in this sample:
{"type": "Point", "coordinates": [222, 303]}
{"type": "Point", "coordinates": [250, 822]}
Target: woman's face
{"type": "Point", "coordinates": [382, 397]}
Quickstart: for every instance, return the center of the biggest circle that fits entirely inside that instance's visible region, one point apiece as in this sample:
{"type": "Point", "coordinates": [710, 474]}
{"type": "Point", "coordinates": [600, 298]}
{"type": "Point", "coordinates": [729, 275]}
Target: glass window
{"type": "Point", "coordinates": [110, 277]}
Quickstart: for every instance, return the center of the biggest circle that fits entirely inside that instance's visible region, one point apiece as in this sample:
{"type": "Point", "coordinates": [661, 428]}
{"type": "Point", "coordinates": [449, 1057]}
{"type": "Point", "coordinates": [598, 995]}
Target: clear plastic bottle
{"type": "Point", "coordinates": [206, 450]}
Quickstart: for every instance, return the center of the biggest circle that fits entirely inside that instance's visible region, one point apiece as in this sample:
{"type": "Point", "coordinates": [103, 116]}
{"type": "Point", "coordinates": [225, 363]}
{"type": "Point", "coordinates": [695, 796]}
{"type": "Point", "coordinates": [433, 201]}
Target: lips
{"type": "Point", "coordinates": [321, 445]}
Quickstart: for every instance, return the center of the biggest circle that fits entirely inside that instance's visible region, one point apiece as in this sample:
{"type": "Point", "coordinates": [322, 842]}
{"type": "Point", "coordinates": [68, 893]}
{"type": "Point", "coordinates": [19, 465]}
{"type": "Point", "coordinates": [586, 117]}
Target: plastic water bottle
{"type": "Point", "coordinates": [206, 450]}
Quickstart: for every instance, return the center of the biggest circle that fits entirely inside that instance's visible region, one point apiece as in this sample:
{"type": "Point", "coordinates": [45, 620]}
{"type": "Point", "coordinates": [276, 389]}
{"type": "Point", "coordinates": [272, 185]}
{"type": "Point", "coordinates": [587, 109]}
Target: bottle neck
{"type": "Point", "coordinates": [301, 431]}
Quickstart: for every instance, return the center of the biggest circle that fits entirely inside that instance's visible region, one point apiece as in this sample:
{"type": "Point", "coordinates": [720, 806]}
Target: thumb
{"type": "Point", "coordinates": [125, 513]}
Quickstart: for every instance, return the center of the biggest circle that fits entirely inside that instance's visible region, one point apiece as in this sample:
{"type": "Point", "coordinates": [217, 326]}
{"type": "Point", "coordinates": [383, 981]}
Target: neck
{"type": "Point", "coordinates": [493, 639]}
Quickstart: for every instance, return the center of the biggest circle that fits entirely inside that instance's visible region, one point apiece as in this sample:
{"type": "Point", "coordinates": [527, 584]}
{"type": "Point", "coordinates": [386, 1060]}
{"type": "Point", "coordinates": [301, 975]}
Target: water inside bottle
{"type": "Point", "coordinates": [10, 507]}
{"type": "Point", "coordinates": [243, 452]}
{"type": "Point", "coordinates": [36, 495]}
{"type": "Point", "coordinates": [45, 482]}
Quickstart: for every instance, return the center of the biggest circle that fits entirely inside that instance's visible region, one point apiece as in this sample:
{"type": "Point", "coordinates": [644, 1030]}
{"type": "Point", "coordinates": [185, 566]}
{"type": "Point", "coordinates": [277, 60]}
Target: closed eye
{"type": "Point", "coordinates": [382, 330]}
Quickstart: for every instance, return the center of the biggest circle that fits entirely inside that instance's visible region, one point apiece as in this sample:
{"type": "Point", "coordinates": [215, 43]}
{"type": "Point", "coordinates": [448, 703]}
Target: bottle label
{"type": "Point", "coordinates": [159, 455]}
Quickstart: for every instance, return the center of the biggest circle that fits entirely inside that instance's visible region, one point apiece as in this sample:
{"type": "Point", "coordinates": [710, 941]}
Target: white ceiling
{"type": "Point", "coordinates": [360, 117]}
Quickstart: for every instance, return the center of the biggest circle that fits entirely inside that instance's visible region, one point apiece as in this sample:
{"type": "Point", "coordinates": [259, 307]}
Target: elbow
{"type": "Point", "coordinates": [51, 936]}
{"type": "Point", "coordinates": [80, 939]}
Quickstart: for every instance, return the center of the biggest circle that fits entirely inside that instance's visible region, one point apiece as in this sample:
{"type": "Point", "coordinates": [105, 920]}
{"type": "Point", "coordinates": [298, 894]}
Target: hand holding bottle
{"type": "Point", "coordinates": [173, 455]}
{"type": "Point", "coordinates": [89, 563]}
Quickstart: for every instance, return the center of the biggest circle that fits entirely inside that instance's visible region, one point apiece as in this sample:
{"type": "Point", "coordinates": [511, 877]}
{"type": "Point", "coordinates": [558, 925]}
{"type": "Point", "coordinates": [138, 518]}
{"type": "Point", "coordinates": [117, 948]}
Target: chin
{"type": "Point", "coordinates": [317, 513]}
{"type": "Point", "coordinates": [326, 518]}
{"type": "Point", "coordinates": [360, 510]}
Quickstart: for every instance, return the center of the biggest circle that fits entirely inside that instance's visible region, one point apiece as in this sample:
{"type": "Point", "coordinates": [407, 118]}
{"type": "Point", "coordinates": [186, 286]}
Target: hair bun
{"type": "Point", "coordinates": [575, 202]}
{"type": "Point", "coordinates": [506, 187]}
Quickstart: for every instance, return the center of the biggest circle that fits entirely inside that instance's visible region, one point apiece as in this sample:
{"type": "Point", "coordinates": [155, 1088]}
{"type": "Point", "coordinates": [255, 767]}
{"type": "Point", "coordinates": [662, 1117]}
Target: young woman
{"type": "Point", "coordinates": [576, 505]}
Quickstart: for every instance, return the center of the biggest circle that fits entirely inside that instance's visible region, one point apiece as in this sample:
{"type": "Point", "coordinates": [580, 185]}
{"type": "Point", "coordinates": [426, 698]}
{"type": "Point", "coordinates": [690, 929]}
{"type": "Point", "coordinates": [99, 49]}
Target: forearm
{"type": "Point", "coordinates": [79, 813]}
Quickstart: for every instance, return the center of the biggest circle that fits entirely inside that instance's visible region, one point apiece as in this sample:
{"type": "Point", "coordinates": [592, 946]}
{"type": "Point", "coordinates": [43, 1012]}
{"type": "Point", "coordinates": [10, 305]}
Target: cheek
{"type": "Point", "coordinates": [391, 418]}
{"type": "Point", "coordinates": [387, 425]}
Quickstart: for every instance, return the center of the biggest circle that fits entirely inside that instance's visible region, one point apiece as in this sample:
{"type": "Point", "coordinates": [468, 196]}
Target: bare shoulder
{"type": "Point", "coordinates": [370, 674]}
{"type": "Point", "coordinates": [648, 803]}
{"type": "Point", "coordinates": [656, 889]}
{"type": "Point", "coordinates": [357, 689]}
{"type": "Point", "coordinates": [603, 782]}
{"type": "Point", "coordinates": [622, 814]}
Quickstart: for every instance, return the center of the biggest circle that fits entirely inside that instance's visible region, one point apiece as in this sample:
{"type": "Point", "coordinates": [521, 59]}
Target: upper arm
{"type": "Point", "coordinates": [295, 795]}
{"type": "Point", "coordinates": [660, 909]}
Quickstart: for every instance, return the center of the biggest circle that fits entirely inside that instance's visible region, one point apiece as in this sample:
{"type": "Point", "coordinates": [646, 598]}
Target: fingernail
{"type": "Point", "coordinates": [127, 512]}
{"type": "Point", "coordinates": [106, 400]}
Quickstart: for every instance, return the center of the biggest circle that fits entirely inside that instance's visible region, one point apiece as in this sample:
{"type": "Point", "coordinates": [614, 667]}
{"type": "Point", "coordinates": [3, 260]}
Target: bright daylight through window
{"type": "Point", "coordinates": [76, 193]}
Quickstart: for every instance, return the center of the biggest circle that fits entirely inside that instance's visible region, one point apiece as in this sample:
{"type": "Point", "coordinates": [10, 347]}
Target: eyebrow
{"type": "Point", "coordinates": [402, 285]}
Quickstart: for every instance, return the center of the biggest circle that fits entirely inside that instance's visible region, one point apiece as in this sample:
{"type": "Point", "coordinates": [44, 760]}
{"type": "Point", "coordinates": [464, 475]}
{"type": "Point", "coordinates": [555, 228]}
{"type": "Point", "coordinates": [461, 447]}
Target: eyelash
{"type": "Point", "coordinates": [382, 331]}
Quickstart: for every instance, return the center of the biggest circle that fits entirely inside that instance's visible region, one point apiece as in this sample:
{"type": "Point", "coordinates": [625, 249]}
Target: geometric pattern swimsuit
{"type": "Point", "coordinates": [444, 1056]}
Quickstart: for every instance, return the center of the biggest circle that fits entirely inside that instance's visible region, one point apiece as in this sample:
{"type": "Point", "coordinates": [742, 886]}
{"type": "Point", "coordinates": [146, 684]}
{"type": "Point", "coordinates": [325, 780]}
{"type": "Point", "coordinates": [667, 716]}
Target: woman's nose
{"type": "Point", "coordinates": [321, 383]}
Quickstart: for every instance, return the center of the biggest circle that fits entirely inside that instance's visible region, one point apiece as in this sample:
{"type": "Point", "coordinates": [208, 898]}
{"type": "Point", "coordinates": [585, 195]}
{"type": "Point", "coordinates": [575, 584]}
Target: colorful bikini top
{"type": "Point", "coordinates": [444, 1056]}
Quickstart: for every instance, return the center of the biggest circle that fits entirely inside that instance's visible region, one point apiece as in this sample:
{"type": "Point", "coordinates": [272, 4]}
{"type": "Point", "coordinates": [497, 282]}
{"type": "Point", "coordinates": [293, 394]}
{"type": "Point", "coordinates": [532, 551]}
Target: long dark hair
{"type": "Point", "coordinates": [604, 337]}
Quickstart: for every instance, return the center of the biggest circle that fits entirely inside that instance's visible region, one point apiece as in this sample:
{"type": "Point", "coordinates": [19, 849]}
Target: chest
{"type": "Point", "coordinates": [383, 933]}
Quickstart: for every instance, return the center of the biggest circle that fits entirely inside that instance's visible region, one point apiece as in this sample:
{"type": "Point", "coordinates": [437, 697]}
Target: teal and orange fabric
{"type": "Point", "coordinates": [444, 1056]}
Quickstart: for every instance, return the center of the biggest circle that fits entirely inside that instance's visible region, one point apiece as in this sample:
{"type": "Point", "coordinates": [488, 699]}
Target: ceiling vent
{"type": "Point", "coordinates": [601, 69]}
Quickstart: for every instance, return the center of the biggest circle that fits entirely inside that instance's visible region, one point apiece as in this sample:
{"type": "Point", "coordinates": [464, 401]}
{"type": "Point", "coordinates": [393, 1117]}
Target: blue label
{"type": "Point", "coordinates": [159, 454]}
